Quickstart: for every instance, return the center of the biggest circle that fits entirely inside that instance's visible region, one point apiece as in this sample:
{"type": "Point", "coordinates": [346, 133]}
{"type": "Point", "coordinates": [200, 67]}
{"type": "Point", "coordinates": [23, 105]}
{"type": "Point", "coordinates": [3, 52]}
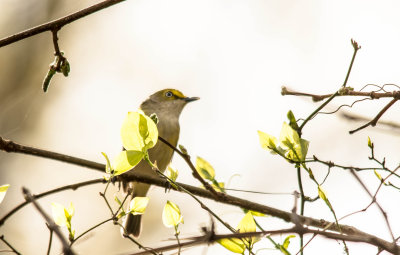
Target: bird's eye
{"type": "Point", "coordinates": [168, 94]}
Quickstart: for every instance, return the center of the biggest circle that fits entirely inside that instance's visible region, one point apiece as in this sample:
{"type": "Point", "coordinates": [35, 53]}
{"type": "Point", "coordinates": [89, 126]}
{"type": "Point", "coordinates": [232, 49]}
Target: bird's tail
{"type": "Point", "coordinates": [132, 225]}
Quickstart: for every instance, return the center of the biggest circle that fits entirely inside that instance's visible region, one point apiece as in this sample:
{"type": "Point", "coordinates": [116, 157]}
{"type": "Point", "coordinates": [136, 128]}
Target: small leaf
{"type": "Point", "coordinates": [126, 160]}
{"type": "Point", "coordinates": [108, 165]}
{"type": "Point", "coordinates": [257, 214]}
{"type": "Point", "coordinates": [322, 195]}
{"type": "Point", "coordinates": [287, 241]}
{"type": "Point", "coordinates": [292, 120]}
{"type": "Point", "coordinates": [47, 79]}
{"type": "Point", "coordinates": [138, 205]}
{"type": "Point", "coordinates": [218, 186]}
{"type": "Point", "coordinates": [59, 217]}
{"type": "Point", "coordinates": [204, 168]}
{"type": "Point", "coordinates": [171, 215]}
{"type": "Point", "coordinates": [267, 142]}
{"type": "Point", "coordinates": [233, 244]}
{"type": "Point", "coordinates": [3, 191]}
{"type": "Point", "coordinates": [378, 175]}
{"type": "Point", "coordinates": [138, 132]}
{"type": "Point", "coordinates": [65, 67]}
{"type": "Point", "coordinates": [172, 173]}
{"type": "Point", "coordinates": [370, 143]}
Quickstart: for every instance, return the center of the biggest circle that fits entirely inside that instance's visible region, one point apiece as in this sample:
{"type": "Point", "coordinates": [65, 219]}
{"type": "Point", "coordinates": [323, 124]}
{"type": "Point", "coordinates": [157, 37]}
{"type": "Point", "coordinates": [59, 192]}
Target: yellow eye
{"type": "Point", "coordinates": [168, 94]}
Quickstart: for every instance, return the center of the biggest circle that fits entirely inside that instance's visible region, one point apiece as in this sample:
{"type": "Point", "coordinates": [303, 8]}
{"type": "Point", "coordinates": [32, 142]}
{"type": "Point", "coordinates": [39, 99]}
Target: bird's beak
{"type": "Point", "coordinates": [190, 99]}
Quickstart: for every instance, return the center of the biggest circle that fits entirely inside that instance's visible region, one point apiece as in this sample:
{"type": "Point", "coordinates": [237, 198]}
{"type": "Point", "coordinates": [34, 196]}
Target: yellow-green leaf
{"type": "Point", "coordinates": [171, 215]}
{"type": "Point", "coordinates": [108, 165]}
{"type": "Point", "coordinates": [287, 241]}
{"type": "Point", "coordinates": [323, 196]}
{"type": "Point", "coordinates": [369, 142]}
{"type": "Point", "coordinates": [59, 217]}
{"type": "Point", "coordinates": [378, 175]}
{"type": "Point", "coordinates": [218, 186]}
{"type": "Point", "coordinates": [138, 205]}
{"type": "Point", "coordinates": [257, 214]}
{"type": "Point", "coordinates": [247, 224]}
{"type": "Point", "coordinates": [288, 136]}
{"type": "Point", "coordinates": [297, 147]}
{"type": "Point", "coordinates": [233, 244]}
{"type": "Point", "coordinates": [3, 191]}
{"type": "Point", "coordinates": [138, 132]}
{"type": "Point", "coordinates": [126, 160]}
{"type": "Point", "coordinates": [204, 168]}
{"type": "Point", "coordinates": [172, 173]}
{"type": "Point", "coordinates": [267, 142]}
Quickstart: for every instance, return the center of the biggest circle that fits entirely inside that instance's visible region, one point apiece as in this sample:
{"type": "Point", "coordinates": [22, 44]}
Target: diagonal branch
{"type": "Point", "coordinates": [66, 248]}
{"type": "Point", "coordinates": [377, 117]}
{"type": "Point", "coordinates": [58, 23]}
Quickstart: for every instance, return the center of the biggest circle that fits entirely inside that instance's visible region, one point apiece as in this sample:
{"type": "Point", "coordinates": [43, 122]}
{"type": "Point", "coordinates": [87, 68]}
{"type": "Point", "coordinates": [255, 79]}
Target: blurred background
{"type": "Point", "coordinates": [234, 55]}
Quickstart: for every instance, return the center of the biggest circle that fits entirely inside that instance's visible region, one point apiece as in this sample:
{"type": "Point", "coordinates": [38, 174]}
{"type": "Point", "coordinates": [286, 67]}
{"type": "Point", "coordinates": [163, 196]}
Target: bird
{"type": "Point", "coordinates": [167, 104]}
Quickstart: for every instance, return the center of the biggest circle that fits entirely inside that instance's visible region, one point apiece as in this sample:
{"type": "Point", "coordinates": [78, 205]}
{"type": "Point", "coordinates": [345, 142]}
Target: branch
{"type": "Point", "coordinates": [9, 245]}
{"type": "Point", "coordinates": [66, 249]}
{"type": "Point", "coordinates": [211, 238]}
{"type": "Point", "coordinates": [72, 186]}
{"type": "Point", "coordinates": [58, 23]}
{"type": "Point", "coordinates": [195, 174]}
{"type": "Point", "coordinates": [227, 199]}
{"type": "Point", "coordinates": [354, 117]}
{"type": "Point", "coordinates": [342, 92]}
{"type": "Point", "coordinates": [377, 117]}
{"type": "Point", "coordinates": [10, 146]}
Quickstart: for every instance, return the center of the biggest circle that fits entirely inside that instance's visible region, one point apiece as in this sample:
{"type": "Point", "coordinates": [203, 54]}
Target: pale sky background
{"type": "Point", "coordinates": [234, 55]}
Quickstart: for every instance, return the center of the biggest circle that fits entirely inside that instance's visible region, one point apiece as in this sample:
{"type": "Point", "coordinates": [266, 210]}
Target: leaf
{"type": "Point", "coordinates": [172, 173]}
{"type": "Point", "coordinates": [126, 160]}
{"type": "Point", "coordinates": [3, 191]}
{"type": "Point", "coordinates": [257, 214]}
{"type": "Point", "coordinates": [378, 175]}
{"type": "Point", "coordinates": [370, 143]}
{"type": "Point", "coordinates": [233, 244]}
{"type": "Point", "coordinates": [138, 205]}
{"type": "Point", "coordinates": [47, 79]}
{"type": "Point", "coordinates": [322, 195]}
{"type": "Point", "coordinates": [108, 165]}
{"type": "Point", "coordinates": [267, 142]}
{"type": "Point", "coordinates": [59, 216]}
{"type": "Point", "coordinates": [204, 168]}
{"type": "Point", "coordinates": [247, 224]}
{"type": "Point", "coordinates": [292, 120]}
{"type": "Point", "coordinates": [171, 215]}
{"type": "Point", "coordinates": [138, 132]}
{"type": "Point", "coordinates": [297, 148]}
{"type": "Point", "coordinates": [287, 241]}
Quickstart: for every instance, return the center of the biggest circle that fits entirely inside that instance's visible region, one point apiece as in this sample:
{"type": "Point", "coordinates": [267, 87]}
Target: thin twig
{"type": "Point", "coordinates": [9, 245]}
{"type": "Point", "coordinates": [58, 23]}
{"type": "Point", "coordinates": [196, 175]}
{"type": "Point", "coordinates": [50, 239]}
{"type": "Point", "coordinates": [38, 196]}
{"type": "Point", "coordinates": [354, 117]}
{"type": "Point", "coordinates": [356, 48]}
{"type": "Point", "coordinates": [66, 248]}
{"type": "Point", "coordinates": [377, 117]}
{"type": "Point", "coordinates": [376, 202]}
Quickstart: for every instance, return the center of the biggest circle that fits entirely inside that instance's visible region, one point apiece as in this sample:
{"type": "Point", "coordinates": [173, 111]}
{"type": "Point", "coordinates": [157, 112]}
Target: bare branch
{"type": "Point", "coordinates": [66, 248]}
{"type": "Point", "coordinates": [377, 117]}
{"type": "Point", "coordinates": [58, 23]}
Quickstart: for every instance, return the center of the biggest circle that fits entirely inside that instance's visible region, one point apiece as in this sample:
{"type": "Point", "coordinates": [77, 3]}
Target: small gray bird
{"type": "Point", "coordinates": [167, 104]}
